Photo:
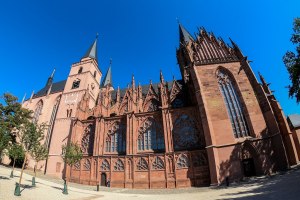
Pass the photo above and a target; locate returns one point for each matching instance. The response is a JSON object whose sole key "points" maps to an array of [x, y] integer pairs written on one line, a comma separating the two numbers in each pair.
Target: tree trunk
{"points": [[35, 167], [14, 165], [22, 169]]}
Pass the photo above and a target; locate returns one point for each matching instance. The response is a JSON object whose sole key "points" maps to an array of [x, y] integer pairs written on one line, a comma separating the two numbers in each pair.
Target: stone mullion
{"points": [[166, 174], [149, 171], [102, 136], [165, 130], [128, 136], [96, 139]]}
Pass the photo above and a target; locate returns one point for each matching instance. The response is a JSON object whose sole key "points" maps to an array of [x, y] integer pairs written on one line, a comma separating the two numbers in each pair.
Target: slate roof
{"points": [[92, 51], [294, 120], [56, 87], [184, 35]]}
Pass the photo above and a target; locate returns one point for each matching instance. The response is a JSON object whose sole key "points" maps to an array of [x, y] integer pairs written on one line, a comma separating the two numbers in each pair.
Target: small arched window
{"points": [[38, 111], [76, 84], [233, 104], [95, 73], [80, 70]]}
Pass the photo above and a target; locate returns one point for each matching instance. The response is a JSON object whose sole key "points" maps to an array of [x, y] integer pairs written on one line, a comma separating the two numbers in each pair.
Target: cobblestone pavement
{"points": [[282, 186]]}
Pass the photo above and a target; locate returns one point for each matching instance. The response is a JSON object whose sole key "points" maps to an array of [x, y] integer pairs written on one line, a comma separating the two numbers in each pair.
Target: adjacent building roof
{"points": [[294, 120], [56, 87]]}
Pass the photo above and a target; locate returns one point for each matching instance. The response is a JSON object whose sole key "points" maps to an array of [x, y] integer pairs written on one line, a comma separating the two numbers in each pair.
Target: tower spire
{"points": [[92, 51], [108, 78], [50, 79], [184, 35]]}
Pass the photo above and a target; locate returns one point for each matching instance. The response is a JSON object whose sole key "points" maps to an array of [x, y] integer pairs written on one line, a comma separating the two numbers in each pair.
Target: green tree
{"points": [[12, 116], [30, 136], [38, 153], [71, 154], [15, 151], [292, 62]]}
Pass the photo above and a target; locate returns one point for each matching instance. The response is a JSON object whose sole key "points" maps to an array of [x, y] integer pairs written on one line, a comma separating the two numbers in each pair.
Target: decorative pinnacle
{"points": [[97, 35], [52, 73]]}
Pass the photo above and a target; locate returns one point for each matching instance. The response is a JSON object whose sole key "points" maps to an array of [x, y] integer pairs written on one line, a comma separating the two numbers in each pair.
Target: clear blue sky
{"points": [[140, 36]]}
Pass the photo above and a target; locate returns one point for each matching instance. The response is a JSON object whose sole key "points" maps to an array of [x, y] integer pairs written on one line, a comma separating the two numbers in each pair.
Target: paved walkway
{"points": [[285, 186]]}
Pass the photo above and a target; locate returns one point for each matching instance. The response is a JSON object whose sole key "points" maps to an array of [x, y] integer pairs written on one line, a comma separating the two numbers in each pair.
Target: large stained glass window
{"points": [[185, 134], [116, 139], [233, 105], [151, 136]]}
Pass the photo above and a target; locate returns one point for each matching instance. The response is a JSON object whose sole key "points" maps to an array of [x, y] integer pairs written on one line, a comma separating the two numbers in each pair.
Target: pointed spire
{"points": [[184, 35], [23, 98], [133, 82], [31, 96], [162, 80], [108, 77], [92, 51], [50, 79]]}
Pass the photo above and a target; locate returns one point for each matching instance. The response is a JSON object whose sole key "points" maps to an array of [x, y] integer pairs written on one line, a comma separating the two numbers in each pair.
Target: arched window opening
{"points": [[158, 163], [119, 166], [185, 134], [38, 111], [182, 162], [52, 118], [105, 165], [76, 84], [233, 105], [80, 70], [151, 136], [95, 73], [142, 165], [116, 139], [87, 141]]}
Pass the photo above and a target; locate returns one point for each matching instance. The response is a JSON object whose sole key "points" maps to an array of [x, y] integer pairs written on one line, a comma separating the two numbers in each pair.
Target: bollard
{"points": [[17, 190], [97, 187], [11, 174], [65, 191], [33, 182]]}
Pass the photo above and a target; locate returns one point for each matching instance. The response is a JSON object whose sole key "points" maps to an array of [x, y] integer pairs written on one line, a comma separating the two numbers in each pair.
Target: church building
{"points": [[217, 123]]}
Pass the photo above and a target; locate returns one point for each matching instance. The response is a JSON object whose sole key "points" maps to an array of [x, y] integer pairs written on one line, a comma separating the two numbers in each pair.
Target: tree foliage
{"points": [[12, 116], [292, 62], [16, 151], [71, 153]]}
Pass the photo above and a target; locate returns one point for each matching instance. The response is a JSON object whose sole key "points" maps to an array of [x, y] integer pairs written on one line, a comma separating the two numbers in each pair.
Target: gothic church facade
{"points": [[216, 122]]}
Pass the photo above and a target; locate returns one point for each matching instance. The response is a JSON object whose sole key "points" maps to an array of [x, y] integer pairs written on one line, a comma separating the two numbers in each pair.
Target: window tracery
{"points": [[87, 141], [182, 162], [151, 136], [76, 84], [116, 139], [119, 166], [185, 133], [142, 164], [87, 165], [77, 166], [152, 105], [38, 111], [233, 104], [105, 165], [158, 163], [199, 160]]}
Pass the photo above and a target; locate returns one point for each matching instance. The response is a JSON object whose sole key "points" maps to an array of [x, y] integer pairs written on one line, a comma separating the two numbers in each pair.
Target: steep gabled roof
{"points": [[294, 120], [92, 51], [56, 87]]}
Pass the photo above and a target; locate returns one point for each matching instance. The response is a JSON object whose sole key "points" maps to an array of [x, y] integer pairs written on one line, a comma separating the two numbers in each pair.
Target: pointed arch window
{"points": [[151, 136], [87, 141], [76, 84], [38, 111], [116, 139], [52, 118], [233, 104], [80, 70]]}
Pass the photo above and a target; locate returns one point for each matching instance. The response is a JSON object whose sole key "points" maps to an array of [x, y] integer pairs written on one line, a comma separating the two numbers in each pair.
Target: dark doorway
{"points": [[249, 168], [103, 179]]}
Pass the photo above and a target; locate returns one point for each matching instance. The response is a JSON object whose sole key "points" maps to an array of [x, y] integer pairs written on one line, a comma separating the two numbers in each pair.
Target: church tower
{"points": [[83, 80], [236, 115]]}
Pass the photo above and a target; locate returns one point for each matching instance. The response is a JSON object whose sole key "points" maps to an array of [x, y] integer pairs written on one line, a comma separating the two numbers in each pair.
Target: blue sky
{"points": [[140, 36]]}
